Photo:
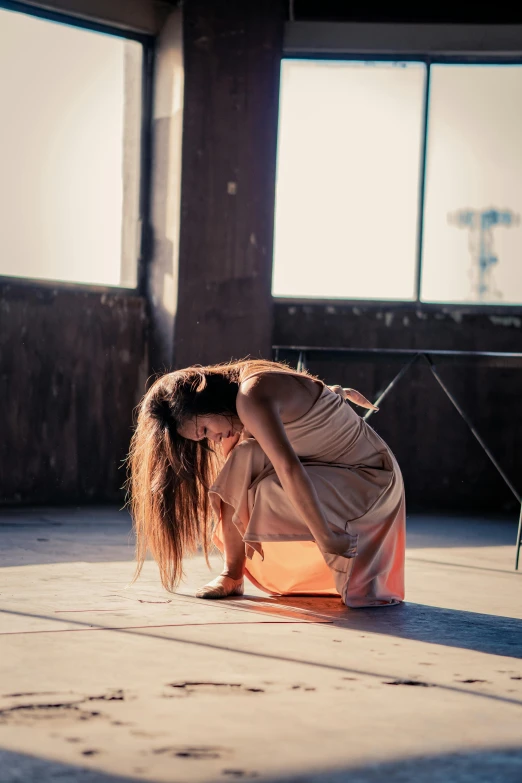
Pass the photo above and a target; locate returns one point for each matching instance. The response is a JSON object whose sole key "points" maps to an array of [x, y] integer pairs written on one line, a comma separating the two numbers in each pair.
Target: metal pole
{"points": [[519, 539], [390, 386], [471, 426], [422, 183]]}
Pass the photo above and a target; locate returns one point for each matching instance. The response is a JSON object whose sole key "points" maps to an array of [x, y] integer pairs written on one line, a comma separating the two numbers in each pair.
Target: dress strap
{"points": [[354, 396]]}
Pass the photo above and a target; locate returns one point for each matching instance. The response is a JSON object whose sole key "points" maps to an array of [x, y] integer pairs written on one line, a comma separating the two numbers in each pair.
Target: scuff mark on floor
{"points": [[209, 687], [408, 682], [198, 752]]}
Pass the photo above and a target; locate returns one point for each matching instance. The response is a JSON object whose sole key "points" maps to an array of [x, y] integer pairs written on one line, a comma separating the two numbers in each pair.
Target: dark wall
{"points": [[443, 465], [73, 365]]}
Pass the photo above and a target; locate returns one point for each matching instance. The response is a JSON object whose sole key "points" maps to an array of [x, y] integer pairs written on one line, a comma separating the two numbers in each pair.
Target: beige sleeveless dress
{"points": [[360, 487]]}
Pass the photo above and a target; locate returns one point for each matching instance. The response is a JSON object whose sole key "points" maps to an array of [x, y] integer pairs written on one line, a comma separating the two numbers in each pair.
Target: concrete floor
{"points": [[101, 681]]}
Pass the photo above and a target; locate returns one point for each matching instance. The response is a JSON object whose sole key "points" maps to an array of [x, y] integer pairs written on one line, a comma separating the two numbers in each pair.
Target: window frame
{"points": [[145, 164], [438, 44]]}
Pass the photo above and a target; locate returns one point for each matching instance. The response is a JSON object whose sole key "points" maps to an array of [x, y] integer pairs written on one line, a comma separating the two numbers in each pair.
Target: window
{"points": [[69, 152], [472, 242], [399, 181]]}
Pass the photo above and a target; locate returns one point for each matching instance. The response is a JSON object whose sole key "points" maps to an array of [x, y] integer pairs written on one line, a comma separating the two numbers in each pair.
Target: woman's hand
{"points": [[337, 543]]}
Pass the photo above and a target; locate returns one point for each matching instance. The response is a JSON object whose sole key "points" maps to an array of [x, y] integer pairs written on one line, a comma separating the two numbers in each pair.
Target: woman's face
{"points": [[214, 427]]}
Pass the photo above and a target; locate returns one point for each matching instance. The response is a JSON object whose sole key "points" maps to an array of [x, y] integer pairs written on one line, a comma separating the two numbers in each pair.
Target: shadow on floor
{"points": [[99, 535], [484, 766], [45, 536], [20, 767], [447, 531], [487, 633], [37, 536]]}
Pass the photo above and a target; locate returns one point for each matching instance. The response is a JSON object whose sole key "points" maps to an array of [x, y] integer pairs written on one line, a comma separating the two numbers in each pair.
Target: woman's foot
{"points": [[222, 586]]}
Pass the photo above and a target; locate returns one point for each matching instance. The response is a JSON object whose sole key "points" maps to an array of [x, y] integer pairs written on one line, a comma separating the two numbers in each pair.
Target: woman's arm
{"points": [[259, 410]]}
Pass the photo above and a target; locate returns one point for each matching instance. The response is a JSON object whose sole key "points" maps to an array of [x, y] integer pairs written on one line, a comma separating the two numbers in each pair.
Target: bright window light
{"points": [[348, 179], [472, 244], [69, 152]]}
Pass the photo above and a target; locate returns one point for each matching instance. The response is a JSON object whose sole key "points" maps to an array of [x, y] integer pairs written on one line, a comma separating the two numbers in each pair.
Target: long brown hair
{"points": [[169, 476]]}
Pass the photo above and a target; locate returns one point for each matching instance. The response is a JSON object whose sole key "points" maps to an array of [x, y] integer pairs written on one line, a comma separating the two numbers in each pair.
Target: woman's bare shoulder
{"points": [[270, 382], [290, 392]]}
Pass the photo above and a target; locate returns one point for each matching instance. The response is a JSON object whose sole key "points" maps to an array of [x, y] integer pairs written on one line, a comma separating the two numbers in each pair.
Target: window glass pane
{"points": [[69, 152], [349, 151], [472, 244]]}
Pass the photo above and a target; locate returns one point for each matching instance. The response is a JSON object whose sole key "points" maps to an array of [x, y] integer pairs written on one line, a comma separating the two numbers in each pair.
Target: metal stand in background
{"points": [[390, 386], [519, 539], [414, 355]]}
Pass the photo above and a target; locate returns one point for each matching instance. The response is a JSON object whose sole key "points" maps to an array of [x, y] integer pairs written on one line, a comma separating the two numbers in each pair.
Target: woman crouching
{"points": [[275, 467]]}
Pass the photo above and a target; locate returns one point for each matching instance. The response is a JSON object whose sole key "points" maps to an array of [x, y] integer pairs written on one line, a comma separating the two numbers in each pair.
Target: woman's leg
{"points": [[230, 581]]}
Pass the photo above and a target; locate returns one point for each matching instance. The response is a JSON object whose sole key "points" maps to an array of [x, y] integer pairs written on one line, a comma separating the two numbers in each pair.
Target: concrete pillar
{"points": [[232, 60], [212, 300]]}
